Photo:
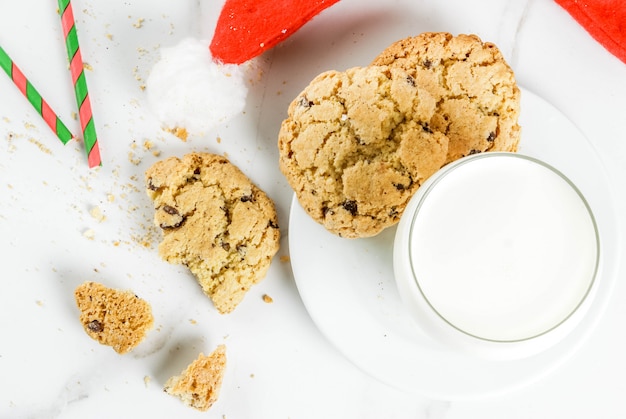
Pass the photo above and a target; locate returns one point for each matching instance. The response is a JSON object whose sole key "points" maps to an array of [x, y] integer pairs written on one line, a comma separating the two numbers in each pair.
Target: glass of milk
{"points": [[497, 255]]}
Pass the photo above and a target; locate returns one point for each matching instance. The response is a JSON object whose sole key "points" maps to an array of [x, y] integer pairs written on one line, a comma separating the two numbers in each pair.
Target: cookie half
{"points": [[357, 144], [216, 222], [477, 97]]}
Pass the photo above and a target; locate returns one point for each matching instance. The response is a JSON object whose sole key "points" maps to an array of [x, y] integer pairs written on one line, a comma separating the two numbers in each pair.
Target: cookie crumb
{"points": [[148, 145], [146, 380], [138, 77], [89, 234], [96, 214], [267, 299], [142, 51], [40, 146], [139, 23], [179, 132], [285, 259], [133, 159]]}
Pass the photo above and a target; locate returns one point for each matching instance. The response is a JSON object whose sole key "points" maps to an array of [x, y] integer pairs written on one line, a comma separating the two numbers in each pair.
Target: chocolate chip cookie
{"points": [[216, 222], [357, 144], [477, 97]]}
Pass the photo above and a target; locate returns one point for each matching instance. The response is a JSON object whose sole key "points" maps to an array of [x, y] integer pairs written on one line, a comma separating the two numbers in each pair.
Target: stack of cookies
{"points": [[357, 144]]}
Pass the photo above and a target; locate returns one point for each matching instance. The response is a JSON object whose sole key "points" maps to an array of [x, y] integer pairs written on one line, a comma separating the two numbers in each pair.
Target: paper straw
{"points": [[35, 99], [80, 83]]}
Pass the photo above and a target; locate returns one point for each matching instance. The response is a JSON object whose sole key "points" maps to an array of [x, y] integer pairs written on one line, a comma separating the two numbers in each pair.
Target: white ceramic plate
{"points": [[349, 290]]}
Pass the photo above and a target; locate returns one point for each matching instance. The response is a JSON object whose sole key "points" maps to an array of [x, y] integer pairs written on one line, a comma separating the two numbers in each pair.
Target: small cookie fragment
{"points": [[216, 222], [199, 385], [179, 132], [115, 318], [356, 145], [478, 100]]}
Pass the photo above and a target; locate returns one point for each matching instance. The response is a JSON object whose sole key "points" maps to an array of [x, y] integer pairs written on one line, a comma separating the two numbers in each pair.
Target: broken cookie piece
{"points": [[114, 318], [216, 222], [199, 385]]}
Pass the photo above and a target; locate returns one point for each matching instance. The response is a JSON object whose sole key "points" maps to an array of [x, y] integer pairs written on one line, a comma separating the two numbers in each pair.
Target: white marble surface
{"points": [[280, 366]]}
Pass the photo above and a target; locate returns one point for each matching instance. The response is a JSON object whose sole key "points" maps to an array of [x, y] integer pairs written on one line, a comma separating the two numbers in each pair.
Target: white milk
{"points": [[503, 249]]}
